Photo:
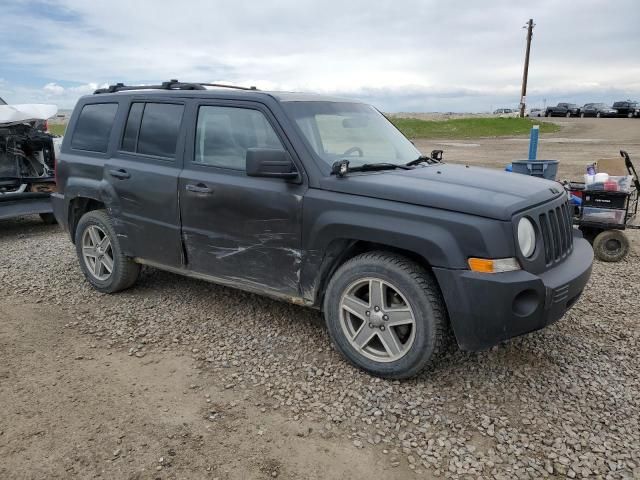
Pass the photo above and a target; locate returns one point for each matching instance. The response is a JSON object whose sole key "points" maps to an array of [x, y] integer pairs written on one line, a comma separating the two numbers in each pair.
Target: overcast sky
{"points": [[423, 55]]}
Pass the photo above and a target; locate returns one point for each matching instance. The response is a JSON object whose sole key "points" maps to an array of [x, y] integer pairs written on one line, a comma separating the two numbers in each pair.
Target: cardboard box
{"points": [[612, 166]]}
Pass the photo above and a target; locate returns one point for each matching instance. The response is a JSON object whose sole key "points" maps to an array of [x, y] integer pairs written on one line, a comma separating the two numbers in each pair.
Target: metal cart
{"points": [[604, 215]]}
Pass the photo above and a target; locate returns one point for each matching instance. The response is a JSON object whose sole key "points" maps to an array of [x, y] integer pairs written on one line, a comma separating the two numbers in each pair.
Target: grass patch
{"points": [[470, 127], [57, 128]]}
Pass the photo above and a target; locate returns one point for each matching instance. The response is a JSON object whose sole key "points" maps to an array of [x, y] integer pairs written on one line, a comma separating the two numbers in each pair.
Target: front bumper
{"points": [[486, 309], [17, 205]]}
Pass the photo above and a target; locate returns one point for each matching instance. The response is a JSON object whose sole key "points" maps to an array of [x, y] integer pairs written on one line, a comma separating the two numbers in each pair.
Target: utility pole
{"points": [[523, 96]]}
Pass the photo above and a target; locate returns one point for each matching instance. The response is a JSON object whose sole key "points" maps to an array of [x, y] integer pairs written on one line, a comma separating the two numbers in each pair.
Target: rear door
{"points": [[144, 175], [242, 229]]}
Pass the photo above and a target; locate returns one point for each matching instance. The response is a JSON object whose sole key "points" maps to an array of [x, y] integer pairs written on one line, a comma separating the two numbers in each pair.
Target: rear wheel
{"points": [[385, 314], [104, 265], [611, 245]]}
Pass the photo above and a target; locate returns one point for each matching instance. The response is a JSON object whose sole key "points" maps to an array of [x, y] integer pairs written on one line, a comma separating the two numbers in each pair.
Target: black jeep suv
{"points": [[321, 202]]}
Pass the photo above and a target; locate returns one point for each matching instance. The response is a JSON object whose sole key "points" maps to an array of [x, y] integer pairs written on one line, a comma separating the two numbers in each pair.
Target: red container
{"points": [[611, 186]]}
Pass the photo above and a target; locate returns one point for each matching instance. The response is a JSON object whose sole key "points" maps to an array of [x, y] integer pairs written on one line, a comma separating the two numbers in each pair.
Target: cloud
{"points": [[456, 54], [53, 89]]}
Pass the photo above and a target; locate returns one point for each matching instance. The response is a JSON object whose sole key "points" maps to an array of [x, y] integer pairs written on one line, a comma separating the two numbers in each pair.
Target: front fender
{"points": [[442, 238]]}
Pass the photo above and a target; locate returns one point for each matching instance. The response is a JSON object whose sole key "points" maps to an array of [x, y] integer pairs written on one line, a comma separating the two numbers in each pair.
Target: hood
{"points": [[473, 190], [14, 114]]}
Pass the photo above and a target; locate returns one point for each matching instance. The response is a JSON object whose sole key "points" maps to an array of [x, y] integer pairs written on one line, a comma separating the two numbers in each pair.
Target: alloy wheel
{"points": [[97, 252], [377, 320]]}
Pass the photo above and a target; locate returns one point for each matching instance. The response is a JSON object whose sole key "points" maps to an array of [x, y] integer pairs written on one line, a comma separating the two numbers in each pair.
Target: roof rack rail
{"points": [[170, 85]]}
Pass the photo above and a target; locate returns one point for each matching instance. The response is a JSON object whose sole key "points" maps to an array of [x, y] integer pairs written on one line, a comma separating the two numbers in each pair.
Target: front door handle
{"points": [[199, 188], [120, 173]]}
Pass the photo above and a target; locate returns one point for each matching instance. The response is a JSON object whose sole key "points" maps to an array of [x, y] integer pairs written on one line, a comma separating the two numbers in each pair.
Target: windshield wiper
{"points": [[435, 157], [369, 167], [341, 167]]}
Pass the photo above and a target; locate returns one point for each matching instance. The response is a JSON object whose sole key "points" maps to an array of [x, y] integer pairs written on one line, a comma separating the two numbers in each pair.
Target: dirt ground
{"points": [[70, 407], [77, 403], [580, 141]]}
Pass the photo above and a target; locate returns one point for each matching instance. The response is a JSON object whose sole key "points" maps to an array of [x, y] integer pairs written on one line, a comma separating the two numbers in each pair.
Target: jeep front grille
{"points": [[556, 227]]}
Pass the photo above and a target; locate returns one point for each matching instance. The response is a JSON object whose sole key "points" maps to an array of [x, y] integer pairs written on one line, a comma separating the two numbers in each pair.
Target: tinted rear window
{"points": [[94, 127], [159, 129]]}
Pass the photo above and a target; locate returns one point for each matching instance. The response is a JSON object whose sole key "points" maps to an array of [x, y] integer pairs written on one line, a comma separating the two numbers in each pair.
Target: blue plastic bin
{"points": [[536, 168]]}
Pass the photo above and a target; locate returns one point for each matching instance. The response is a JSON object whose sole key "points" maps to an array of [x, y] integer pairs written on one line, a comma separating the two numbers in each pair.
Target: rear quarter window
{"points": [[93, 127]]}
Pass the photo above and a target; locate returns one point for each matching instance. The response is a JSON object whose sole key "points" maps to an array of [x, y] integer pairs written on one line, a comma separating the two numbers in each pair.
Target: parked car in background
{"points": [[320, 202], [563, 110], [627, 108], [506, 112], [597, 110], [27, 161], [535, 112]]}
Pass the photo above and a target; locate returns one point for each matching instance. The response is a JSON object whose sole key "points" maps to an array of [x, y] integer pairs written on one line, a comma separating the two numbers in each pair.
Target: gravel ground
{"points": [[563, 401]]}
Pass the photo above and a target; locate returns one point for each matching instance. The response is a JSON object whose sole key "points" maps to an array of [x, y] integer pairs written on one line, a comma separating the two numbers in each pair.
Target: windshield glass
{"points": [[351, 131]]}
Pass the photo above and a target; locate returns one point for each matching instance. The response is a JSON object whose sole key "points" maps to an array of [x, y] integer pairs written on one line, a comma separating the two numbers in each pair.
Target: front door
{"points": [[245, 230], [144, 175]]}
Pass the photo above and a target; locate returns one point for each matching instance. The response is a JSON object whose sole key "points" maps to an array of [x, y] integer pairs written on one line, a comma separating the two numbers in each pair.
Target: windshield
{"points": [[351, 131]]}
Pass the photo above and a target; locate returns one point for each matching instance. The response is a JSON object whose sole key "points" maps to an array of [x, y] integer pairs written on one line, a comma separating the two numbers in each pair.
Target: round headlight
{"points": [[526, 237]]}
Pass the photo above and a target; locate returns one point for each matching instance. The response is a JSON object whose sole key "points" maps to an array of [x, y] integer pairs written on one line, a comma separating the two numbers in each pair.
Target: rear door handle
{"points": [[199, 188], [120, 173]]}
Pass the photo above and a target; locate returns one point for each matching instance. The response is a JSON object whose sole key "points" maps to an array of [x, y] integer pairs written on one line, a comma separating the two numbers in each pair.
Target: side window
{"points": [[94, 127], [152, 129], [224, 134]]}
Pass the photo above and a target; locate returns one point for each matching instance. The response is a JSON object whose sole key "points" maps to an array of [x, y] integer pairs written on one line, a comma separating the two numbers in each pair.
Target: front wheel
{"points": [[104, 265], [568, 114], [386, 315]]}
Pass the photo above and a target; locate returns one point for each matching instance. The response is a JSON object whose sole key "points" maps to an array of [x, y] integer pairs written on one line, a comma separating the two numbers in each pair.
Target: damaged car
{"points": [[318, 201], [27, 161]]}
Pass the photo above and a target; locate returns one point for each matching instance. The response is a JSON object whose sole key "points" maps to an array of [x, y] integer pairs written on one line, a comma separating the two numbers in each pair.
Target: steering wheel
{"points": [[353, 150]]}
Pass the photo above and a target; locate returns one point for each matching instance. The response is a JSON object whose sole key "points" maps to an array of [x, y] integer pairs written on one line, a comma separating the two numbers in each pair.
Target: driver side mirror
{"points": [[270, 162]]}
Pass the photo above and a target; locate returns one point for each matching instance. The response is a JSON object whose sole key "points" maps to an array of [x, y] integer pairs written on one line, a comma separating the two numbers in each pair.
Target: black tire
{"points": [[611, 246], [125, 271], [546, 114], [422, 295], [48, 218]]}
